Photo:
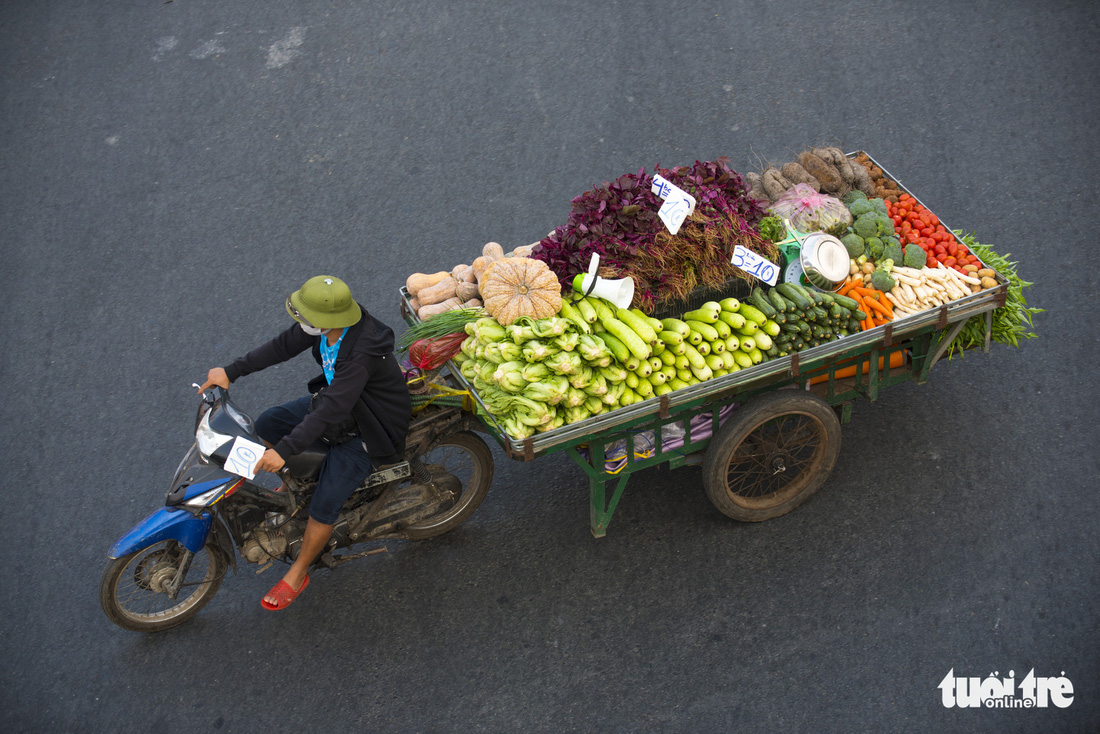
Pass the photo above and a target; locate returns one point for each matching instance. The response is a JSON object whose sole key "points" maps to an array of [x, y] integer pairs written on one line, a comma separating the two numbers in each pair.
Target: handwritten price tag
{"points": [[673, 213], [678, 203], [755, 265], [243, 457]]}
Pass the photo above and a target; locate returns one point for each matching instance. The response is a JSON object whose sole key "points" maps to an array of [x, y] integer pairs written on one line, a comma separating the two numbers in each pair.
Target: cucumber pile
{"points": [[806, 317], [538, 375], [659, 356], [725, 336]]}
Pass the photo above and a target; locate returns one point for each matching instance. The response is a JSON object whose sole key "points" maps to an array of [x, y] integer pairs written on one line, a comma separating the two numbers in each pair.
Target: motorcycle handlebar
{"points": [[212, 394]]}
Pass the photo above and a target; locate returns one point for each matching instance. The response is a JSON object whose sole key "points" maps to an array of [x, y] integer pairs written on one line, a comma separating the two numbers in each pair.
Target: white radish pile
{"points": [[928, 288]]}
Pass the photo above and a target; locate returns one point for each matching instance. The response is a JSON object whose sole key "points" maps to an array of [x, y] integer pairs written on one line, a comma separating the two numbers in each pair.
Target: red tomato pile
{"points": [[915, 224]]}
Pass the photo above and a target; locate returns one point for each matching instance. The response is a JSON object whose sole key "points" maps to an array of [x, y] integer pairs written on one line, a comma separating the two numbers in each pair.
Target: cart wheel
{"points": [[771, 455]]}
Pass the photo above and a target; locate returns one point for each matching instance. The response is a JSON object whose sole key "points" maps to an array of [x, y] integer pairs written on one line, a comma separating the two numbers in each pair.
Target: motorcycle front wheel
{"points": [[468, 459], [133, 589]]}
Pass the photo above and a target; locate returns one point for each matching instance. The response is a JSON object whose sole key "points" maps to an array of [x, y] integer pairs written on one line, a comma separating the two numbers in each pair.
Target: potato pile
{"points": [[827, 170], [885, 188]]}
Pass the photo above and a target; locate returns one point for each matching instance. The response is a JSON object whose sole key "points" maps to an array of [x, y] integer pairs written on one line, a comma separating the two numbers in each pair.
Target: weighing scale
{"points": [[790, 250]]}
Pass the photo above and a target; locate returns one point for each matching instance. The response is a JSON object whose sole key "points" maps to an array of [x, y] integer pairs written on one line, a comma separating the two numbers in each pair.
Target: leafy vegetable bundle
{"points": [[1012, 321], [618, 221]]}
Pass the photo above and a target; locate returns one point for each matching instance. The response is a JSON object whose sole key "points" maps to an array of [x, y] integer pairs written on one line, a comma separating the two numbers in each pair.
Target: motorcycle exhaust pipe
{"points": [[357, 524]]}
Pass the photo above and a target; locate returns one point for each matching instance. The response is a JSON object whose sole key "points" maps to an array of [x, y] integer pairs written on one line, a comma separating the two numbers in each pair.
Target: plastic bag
{"points": [[809, 211], [429, 354]]}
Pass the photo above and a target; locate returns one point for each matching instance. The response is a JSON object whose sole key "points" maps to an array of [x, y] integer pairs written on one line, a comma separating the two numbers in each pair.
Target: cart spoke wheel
{"points": [[772, 455]]}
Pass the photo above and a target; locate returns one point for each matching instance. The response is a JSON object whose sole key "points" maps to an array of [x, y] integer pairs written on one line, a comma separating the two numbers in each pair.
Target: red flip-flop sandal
{"points": [[283, 594]]}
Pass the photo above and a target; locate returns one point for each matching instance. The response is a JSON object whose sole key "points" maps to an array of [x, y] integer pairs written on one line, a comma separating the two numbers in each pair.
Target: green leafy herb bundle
{"points": [[448, 322], [1012, 321]]}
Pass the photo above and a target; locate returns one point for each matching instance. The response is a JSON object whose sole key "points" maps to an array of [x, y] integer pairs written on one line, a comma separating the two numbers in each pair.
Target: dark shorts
{"points": [[344, 468]]}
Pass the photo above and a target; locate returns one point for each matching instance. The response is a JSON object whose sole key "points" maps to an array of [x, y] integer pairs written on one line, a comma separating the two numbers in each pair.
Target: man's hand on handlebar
{"points": [[217, 377]]}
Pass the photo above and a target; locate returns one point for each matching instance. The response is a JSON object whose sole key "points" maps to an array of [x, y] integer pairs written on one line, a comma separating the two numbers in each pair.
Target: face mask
{"points": [[311, 330]]}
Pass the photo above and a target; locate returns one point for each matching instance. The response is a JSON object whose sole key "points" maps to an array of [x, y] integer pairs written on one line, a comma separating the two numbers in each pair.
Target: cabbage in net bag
{"points": [[809, 211]]}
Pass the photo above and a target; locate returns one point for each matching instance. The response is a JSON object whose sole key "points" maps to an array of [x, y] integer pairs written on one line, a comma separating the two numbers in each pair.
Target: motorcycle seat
{"points": [[306, 465]]}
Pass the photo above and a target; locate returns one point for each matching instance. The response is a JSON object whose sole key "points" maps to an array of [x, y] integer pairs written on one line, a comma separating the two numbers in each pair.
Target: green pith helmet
{"points": [[324, 302]]}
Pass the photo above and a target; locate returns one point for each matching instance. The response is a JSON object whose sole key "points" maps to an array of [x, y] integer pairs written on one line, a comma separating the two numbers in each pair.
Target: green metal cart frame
{"points": [[922, 339]]}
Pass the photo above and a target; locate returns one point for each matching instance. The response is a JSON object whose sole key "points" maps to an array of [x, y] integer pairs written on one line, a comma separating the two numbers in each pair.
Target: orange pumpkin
{"points": [[520, 286]]}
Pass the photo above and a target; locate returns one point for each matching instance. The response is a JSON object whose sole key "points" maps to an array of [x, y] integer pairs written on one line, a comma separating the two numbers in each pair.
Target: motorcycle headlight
{"points": [[207, 439], [208, 496]]}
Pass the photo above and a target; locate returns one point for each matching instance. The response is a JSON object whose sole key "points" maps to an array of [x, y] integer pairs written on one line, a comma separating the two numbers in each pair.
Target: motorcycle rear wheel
{"points": [[132, 594], [466, 456]]}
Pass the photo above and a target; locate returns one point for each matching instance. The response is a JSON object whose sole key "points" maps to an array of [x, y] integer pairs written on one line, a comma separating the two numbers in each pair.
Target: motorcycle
{"points": [[168, 566]]}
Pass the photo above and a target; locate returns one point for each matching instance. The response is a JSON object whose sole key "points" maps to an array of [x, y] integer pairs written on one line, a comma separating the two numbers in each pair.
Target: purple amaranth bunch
{"points": [[614, 220], [618, 220]]}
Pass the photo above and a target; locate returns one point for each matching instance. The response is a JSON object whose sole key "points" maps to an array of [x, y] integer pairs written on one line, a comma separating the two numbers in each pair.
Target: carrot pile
{"points": [[916, 224], [872, 302]]}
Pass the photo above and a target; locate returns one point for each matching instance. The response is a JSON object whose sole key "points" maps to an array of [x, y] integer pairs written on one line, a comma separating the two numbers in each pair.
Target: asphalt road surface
{"points": [[170, 171]]}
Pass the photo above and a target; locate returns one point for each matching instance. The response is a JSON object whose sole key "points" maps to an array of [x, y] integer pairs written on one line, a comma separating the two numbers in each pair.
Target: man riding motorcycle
{"points": [[359, 408]]}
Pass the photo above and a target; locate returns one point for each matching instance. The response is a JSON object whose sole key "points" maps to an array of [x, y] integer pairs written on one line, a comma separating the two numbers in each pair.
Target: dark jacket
{"points": [[367, 383]]}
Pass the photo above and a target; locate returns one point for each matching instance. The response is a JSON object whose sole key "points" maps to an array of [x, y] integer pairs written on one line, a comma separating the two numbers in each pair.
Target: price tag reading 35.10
{"points": [[755, 265]]}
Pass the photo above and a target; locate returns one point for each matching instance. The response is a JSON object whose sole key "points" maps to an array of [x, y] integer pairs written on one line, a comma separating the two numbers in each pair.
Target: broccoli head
{"points": [[891, 239], [874, 248], [866, 225], [893, 252], [879, 205], [885, 225], [882, 280], [860, 207], [915, 257], [852, 196], [854, 243]]}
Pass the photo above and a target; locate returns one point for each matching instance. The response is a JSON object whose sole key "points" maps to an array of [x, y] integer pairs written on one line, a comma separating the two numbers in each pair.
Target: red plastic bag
{"points": [[428, 354]]}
